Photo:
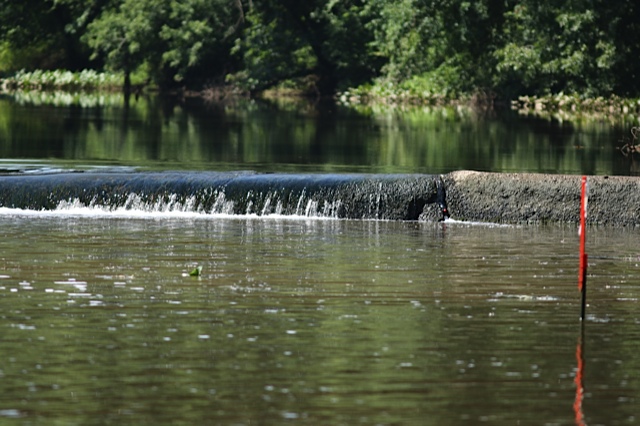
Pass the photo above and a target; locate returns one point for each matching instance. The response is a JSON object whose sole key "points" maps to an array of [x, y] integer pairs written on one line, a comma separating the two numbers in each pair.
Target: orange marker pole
{"points": [[582, 274]]}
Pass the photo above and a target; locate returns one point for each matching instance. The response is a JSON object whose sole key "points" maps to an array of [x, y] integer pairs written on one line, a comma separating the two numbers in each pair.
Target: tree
{"points": [[619, 21], [197, 36], [171, 38], [288, 38], [556, 46], [449, 47], [33, 34], [126, 35], [446, 42]]}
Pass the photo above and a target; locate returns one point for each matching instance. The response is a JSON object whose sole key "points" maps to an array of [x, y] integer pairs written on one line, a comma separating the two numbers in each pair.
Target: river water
{"points": [[311, 321], [161, 134], [302, 320]]}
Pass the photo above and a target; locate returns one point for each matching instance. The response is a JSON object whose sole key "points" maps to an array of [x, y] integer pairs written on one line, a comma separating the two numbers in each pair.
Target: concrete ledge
{"points": [[541, 198], [465, 195]]}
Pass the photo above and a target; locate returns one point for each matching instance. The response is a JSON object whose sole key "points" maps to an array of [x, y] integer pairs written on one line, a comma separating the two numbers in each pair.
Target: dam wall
{"points": [[541, 198], [506, 198]]}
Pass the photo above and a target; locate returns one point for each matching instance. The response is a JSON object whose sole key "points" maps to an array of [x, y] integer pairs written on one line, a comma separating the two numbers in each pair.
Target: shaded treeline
{"points": [[447, 47]]}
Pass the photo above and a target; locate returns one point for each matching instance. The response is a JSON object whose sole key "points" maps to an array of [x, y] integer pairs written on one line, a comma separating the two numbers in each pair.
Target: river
{"points": [[167, 134], [299, 319]]}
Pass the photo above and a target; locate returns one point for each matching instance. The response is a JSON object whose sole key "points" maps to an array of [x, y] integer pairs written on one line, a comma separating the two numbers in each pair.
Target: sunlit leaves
{"points": [[322, 41], [270, 53], [124, 35], [511, 47], [195, 30], [171, 37], [554, 47]]}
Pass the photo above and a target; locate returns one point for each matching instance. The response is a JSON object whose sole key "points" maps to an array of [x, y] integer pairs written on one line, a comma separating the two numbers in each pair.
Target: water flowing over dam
{"points": [[465, 195], [353, 196]]}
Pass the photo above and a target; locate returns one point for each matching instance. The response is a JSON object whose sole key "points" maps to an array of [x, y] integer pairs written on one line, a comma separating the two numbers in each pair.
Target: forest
{"points": [[447, 48]]}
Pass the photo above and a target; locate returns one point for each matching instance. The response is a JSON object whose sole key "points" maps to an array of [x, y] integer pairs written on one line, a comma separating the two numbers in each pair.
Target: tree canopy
{"points": [[452, 47]]}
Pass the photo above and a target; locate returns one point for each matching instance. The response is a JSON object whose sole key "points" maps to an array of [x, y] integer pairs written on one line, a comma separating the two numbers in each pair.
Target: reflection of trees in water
{"points": [[295, 135], [631, 150], [65, 99]]}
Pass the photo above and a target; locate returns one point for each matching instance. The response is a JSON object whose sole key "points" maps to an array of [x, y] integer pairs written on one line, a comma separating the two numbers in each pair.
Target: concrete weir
{"points": [[541, 198], [466, 195], [348, 196]]}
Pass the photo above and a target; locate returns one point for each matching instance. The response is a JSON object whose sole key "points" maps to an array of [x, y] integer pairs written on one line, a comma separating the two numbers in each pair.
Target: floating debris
{"points": [[196, 271]]}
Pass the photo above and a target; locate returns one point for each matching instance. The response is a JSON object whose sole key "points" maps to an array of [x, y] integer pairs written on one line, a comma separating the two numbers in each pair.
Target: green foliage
{"points": [[125, 36], [408, 47], [27, 21], [62, 80], [197, 35], [444, 43], [444, 80], [512, 47], [270, 54], [172, 38], [438, 86], [12, 59], [38, 34], [289, 39], [555, 47], [400, 31]]}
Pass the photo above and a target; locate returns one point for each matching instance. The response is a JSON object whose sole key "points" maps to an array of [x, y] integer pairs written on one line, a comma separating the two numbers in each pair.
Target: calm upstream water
{"points": [[160, 134], [307, 320]]}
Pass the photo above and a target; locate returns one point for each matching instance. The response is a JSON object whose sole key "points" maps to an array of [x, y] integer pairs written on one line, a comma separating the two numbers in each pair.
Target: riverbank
{"points": [[541, 198], [562, 106], [63, 80]]}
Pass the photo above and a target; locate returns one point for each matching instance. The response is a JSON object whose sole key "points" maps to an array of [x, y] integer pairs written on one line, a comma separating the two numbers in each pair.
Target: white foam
{"points": [[123, 213], [450, 221]]}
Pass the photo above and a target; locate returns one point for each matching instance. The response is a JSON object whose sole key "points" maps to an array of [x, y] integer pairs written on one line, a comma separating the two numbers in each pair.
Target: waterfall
{"points": [[353, 196]]}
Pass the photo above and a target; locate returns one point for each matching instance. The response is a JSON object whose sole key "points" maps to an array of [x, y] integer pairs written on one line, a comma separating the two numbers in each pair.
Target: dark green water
{"points": [[165, 134], [310, 322]]}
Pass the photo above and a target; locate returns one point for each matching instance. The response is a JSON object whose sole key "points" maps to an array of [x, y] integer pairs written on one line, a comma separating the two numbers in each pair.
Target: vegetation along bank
{"points": [[410, 50]]}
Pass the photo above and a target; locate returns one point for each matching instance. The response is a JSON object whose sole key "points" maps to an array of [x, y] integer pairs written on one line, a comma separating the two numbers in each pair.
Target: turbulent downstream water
{"points": [[311, 321]]}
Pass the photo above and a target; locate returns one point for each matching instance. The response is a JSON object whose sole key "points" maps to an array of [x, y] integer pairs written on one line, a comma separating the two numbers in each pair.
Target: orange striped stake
{"points": [[582, 274]]}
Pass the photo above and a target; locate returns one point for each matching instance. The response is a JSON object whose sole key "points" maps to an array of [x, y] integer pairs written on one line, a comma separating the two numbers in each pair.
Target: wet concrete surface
{"points": [[541, 198]]}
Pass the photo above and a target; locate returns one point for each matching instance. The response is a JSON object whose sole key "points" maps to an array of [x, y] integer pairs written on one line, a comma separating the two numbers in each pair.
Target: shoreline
{"points": [[562, 105]]}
